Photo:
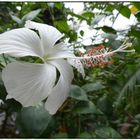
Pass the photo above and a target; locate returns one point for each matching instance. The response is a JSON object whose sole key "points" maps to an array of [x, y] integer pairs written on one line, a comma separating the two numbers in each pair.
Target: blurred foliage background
{"points": [[106, 104]]}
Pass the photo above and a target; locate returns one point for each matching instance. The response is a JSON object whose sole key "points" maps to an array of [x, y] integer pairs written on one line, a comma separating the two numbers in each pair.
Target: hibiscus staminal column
{"points": [[100, 60], [101, 56]]}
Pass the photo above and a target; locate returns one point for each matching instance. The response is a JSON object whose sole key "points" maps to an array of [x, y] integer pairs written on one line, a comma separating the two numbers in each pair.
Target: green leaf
{"points": [[85, 135], [92, 86], [137, 116], [134, 32], [80, 17], [137, 4], [106, 132], [88, 14], [125, 11], [81, 32], [129, 86], [136, 45], [13, 105], [83, 107], [32, 121], [62, 26], [60, 135], [73, 36], [78, 93], [58, 5], [31, 15], [110, 7], [108, 29], [138, 16], [105, 105]]}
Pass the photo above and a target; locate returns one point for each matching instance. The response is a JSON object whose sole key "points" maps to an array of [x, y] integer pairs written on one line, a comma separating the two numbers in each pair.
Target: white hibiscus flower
{"points": [[31, 83]]}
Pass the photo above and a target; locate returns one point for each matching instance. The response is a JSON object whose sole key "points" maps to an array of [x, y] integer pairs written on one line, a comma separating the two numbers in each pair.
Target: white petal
{"points": [[60, 92], [78, 65], [49, 35], [60, 51], [29, 83], [20, 42]]}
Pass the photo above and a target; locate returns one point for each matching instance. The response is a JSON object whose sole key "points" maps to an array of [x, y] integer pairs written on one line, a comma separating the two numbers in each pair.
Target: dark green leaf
{"points": [[32, 121], [92, 87], [108, 29], [73, 36], [78, 93], [129, 86], [60, 135], [77, 15], [125, 11], [85, 135], [88, 14], [137, 4], [81, 32], [105, 105], [138, 16], [58, 5], [136, 45], [13, 105], [135, 32], [83, 107], [107, 132], [137, 116], [110, 7]]}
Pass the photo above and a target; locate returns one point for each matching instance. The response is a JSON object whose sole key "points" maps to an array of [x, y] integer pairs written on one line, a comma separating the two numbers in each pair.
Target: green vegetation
{"points": [[106, 103]]}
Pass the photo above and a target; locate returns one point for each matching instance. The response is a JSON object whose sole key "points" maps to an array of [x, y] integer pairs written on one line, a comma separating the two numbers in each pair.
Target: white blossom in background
{"points": [[31, 83]]}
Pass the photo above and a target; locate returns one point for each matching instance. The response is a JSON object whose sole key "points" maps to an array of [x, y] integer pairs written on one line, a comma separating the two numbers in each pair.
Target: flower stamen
{"points": [[100, 59]]}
